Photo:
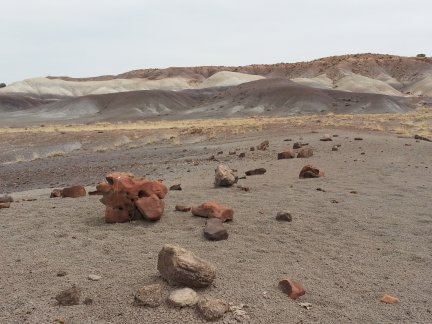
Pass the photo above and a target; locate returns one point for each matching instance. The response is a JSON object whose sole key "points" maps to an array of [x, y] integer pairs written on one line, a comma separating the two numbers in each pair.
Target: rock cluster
{"points": [[126, 197]]}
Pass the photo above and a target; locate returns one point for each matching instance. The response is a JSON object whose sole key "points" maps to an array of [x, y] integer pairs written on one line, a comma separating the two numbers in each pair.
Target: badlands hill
{"points": [[362, 83]]}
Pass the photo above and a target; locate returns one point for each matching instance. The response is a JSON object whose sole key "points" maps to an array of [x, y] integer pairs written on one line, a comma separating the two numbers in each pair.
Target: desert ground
{"points": [[362, 231]]}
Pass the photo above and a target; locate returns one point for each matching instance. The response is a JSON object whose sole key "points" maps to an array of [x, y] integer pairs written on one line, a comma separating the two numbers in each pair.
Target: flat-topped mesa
{"points": [[126, 197]]}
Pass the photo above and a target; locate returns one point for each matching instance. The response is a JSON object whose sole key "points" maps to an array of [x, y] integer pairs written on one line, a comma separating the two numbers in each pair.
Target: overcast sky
{"points": [[87, 37]]}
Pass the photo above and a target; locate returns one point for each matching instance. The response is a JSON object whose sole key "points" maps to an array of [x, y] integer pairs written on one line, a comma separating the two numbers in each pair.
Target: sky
{"points": [[84, 38]]}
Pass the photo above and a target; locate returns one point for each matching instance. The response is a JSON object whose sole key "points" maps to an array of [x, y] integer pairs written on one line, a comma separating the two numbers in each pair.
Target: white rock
{"points": [[94, 277], [183, 297]]}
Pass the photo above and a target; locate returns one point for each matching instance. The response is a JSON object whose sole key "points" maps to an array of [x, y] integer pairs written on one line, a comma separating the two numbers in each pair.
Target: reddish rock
{"points": [[310, 171], [213, 210], [390, 299], [116, 215], [305, 152], [127, 196], [103, 187], [182, 208], [286, 155], [74, 192], [5, 205], [151, 208], [256, 171], [292, 288], [154, 187]]}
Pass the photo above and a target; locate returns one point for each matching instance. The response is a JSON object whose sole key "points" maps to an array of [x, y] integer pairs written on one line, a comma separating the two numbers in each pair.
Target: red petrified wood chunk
{"points": [[213, 210], [127, 196], [151, 208], [74, 192], [292, 288], [310, 171]]}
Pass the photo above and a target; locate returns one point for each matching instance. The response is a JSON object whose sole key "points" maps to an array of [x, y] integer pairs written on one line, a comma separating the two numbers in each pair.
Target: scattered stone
{"points": [[56, 193], [242, 155], [353, 192], [214, 230], [256, 171], [4, 205], [263, 146], [94, 277], [243, 177], [305, 305], [212, 158], [232, 152], [287, 140], [74, 192], [422, 138], [252, 149], [388, 299], [284, 216], [292, 288], [358, 139], [334, 201], [182, 208], [150, 295], [176, 187], [297, 145], [286, 155], [61, 273], [305, 153], [183, 297], [181, 267], [224, 176], [6, 199], [69, 297], [326, 138], [309, 171], [238, 312], [335, 135], [213, 210], [88, 301], [220, 152], [335, 148], [211, 308], [320, 189], [126, 196], [243, 188]]}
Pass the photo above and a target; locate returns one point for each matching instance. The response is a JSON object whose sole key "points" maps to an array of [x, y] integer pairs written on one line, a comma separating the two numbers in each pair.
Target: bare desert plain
{"points": [[362, 231]]}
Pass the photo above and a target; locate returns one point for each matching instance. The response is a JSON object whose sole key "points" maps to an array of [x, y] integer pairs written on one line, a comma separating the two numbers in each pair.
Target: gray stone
{"points": [[211, 308], [181, 267], [224, 176], [150, 295], [284, 216], [214, 230], [69, 297]]}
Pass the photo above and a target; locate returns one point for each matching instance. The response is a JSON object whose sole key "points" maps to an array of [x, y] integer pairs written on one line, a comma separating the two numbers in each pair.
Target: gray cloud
{"points": [[86, 38]]}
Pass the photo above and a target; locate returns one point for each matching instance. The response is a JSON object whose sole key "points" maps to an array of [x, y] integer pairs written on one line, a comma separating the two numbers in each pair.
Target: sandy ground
{"points": [[347, 249]]}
